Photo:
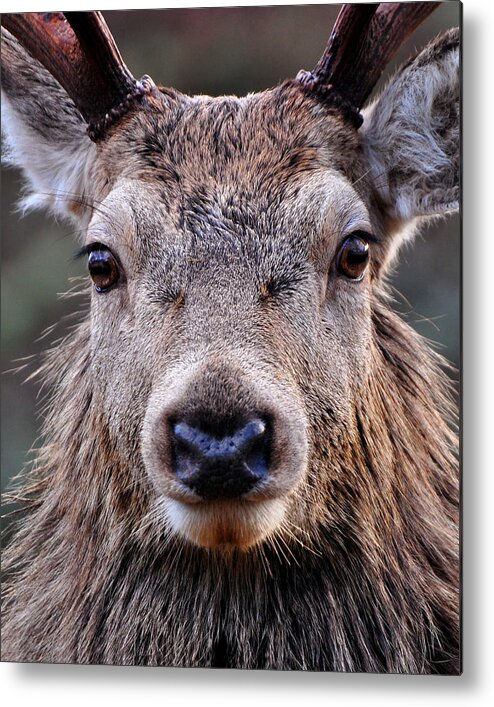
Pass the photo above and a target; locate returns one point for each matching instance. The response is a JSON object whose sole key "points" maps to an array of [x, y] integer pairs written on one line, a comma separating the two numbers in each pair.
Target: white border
{"points": [[128, 687]]}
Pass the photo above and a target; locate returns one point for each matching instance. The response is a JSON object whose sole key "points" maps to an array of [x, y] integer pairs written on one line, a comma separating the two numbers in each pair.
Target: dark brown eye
{"points": [[103, 269], [353, 257]]}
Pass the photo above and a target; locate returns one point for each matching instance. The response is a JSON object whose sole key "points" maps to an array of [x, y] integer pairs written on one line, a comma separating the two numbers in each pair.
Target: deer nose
{"points": [[219, 466]]}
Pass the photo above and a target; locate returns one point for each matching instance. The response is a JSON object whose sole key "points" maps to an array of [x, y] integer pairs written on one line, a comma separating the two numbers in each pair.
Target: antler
{"points": [[364, 39], [79, 51]]}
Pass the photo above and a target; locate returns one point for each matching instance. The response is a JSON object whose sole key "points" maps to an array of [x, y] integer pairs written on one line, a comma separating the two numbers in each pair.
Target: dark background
{"points": [[215, 51]]}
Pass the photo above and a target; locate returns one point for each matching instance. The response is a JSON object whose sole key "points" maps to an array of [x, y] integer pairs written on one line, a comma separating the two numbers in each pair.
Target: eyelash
{"points": [[89, 248], [360, 233]]}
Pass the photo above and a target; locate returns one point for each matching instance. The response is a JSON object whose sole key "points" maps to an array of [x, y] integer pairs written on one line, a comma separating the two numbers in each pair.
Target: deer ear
{"points": [[411, 134], [44, 134]]}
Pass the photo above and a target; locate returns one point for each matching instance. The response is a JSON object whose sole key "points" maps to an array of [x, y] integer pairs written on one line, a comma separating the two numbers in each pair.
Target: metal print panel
{"points": [[248, 455]]}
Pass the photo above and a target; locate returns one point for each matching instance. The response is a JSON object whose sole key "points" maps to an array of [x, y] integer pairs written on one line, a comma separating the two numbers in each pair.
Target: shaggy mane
{"points": [[369, 583]]}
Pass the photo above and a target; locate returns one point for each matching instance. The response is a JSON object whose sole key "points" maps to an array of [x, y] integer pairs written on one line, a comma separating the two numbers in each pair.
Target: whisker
{"points": [[81, 199]]}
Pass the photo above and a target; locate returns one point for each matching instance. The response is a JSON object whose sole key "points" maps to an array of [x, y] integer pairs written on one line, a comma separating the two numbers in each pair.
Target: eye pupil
{"points": [[353, 257], [103, 269]]}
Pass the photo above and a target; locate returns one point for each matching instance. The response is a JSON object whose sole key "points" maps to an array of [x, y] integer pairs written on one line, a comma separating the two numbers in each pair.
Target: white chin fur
{"points": [[225, 523]]}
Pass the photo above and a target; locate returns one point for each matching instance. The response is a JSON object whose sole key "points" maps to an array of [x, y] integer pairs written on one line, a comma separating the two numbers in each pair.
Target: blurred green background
{"points": [[214, 51]]}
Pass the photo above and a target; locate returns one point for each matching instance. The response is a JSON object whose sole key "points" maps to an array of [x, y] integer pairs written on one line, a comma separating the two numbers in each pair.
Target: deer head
{"points": [[237, 249]]}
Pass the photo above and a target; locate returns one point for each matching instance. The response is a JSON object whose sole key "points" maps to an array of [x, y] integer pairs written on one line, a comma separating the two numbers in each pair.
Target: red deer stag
{"points": [[247, 456]]}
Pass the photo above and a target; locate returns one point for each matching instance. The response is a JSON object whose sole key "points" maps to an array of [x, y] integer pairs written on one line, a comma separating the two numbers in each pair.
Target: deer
{"points": [[249, 459]]}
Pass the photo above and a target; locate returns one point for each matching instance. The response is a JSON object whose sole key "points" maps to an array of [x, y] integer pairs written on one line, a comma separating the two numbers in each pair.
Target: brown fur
{"points": [[227, 216]]}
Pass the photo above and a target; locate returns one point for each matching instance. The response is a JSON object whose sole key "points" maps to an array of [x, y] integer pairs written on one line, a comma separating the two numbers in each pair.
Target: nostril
{"points": [[191, 438], [221, 466], [251, 433], [207, 445]]}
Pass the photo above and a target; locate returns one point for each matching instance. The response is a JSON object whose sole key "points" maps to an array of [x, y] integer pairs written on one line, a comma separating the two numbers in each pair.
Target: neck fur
{"points": [[369, 584]]}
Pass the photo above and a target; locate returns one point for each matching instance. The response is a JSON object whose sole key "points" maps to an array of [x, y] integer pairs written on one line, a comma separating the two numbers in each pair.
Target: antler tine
{"points": [[350, 25], [79, 51], [364, 39]]}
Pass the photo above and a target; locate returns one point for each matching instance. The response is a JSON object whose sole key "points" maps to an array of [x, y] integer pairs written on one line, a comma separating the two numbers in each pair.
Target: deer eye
{"points": [[103, 268], [353, 256]]}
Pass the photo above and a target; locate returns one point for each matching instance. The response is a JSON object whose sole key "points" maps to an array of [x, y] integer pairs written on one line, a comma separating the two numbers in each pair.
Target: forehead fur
{"points": [[262, 147]]}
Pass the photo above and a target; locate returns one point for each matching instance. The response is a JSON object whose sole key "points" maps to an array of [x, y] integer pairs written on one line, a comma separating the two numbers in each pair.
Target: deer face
{"points": [[239, 319], [236, 247]]}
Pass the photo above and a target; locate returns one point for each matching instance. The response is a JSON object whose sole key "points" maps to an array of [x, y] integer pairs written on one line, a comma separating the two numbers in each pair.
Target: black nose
{"points": [[215, 465]]}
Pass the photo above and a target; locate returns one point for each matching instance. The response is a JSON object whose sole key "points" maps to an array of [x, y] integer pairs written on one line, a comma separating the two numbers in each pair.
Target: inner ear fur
{"points": [[411, 134], [44, 134]]}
